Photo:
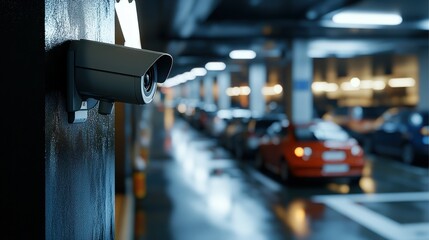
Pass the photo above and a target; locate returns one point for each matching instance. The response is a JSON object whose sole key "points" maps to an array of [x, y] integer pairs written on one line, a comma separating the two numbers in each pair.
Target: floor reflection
{"points": [[203, 192]]}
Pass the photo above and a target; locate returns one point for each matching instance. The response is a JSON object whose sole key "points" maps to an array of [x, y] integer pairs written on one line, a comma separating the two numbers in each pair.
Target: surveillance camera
{"points": [[106, 73]]}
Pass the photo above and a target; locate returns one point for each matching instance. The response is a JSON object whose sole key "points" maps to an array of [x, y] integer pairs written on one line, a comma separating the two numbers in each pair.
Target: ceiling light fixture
{"points": [[401, 82], [127, 15], [215, 66], [199, 72], [367, 18], [242, 54]]}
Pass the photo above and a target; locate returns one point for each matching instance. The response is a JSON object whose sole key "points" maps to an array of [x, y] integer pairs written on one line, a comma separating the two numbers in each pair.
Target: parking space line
{"points": [[269, 183], [378, 223], [419, 230], [379, 197]]}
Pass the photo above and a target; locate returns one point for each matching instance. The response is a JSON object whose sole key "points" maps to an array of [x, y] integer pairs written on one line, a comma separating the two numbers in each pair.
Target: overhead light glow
{"points": [[233, 91], [378, 85], [237, 91], [189, 76], [127, 15], [199, 72], [424, 24], [366, 84], [242, 54], [367, 18], [178, 79], [401, 82], [271, 91], [215, 66], [245, 90], [355, 82], [347, 86], [324, 87]]}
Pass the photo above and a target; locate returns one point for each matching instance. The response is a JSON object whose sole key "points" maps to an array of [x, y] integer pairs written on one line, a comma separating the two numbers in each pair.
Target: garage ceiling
{"points": [[197, 31]]}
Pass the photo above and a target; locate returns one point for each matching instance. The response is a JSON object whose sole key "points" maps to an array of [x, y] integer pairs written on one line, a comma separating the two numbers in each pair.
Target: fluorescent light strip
{"points": [[215, 66], [401, 82], [324, 87], [242, 54], [271, 91], [127, 15], [347, 86], [238, 91], [199, 72], [367, 18]]}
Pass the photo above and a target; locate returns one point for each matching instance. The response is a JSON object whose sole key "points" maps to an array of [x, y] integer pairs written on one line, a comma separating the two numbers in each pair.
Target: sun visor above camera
{"points": [[110, 58]]}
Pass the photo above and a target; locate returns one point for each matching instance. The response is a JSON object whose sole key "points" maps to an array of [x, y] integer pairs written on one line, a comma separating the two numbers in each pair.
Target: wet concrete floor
{"points": [[196, 190]]}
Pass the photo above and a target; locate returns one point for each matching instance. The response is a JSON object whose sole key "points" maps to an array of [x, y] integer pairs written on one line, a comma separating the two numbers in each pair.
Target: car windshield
{"points": [[322, 131]]}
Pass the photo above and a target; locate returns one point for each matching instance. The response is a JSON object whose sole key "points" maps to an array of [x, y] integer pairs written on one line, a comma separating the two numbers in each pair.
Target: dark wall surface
{"points": [[79, 158], [22, 119]]}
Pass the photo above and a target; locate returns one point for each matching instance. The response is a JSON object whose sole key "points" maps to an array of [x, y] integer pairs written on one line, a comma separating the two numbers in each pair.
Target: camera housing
{"points": [[102, 73]]}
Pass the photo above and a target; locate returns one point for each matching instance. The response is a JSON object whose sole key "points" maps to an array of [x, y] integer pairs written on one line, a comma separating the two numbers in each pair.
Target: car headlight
{"points": [[356, 150], [303, 152]]}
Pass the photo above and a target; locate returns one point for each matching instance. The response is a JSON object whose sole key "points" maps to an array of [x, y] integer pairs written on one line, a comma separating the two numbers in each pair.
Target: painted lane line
{"points": [[273, 186], [418, 230], [379, 197], [386, 227], [379, 224]]}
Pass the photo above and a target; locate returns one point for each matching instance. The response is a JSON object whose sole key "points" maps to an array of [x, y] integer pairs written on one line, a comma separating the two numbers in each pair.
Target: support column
{"points": [[223, 82], [208, 90], [194, 87], [423, 102], [257, 80], [302, 77]]}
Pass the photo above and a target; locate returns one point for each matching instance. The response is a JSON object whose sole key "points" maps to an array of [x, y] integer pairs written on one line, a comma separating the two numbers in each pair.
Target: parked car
{"points": [[218, 122], [316, 149], [201, 115], [403, 134], [234, 126], [358, 121], [246, 140]]}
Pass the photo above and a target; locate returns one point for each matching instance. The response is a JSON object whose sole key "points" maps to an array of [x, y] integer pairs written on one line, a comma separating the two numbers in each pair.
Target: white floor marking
{"points": [[386, 227], [265, 180], [379, 197]]}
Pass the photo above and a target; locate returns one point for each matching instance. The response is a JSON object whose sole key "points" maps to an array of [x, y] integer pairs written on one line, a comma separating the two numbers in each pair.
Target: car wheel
{"points": [[354, 181], [258, 162], [408, 154]]}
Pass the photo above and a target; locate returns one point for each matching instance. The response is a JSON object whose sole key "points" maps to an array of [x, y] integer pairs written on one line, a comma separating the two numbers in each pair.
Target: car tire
{"points": [[408, 154], [354, 181], [285, 173]]}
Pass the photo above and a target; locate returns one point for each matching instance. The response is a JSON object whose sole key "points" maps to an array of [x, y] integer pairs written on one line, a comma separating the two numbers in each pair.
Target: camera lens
{"points": [[148, 79]]}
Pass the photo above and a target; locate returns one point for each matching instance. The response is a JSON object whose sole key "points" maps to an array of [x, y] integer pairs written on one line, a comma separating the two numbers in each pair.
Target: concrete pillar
{"points": [[257, 80], [186, 90], [208, 90], [302, 77], [223, 82], [194, 87], [423, 84]]}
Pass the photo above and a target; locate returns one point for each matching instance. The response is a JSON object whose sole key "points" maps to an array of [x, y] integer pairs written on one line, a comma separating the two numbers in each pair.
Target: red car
{"points": [[316, 149]]}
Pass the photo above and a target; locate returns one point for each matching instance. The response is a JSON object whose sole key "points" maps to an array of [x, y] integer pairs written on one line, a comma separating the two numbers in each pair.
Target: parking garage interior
{"points": [[277, 120], [302, 67]]}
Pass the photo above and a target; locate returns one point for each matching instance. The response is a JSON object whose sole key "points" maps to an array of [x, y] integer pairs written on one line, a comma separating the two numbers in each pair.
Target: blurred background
{"points": [[280, 119]]}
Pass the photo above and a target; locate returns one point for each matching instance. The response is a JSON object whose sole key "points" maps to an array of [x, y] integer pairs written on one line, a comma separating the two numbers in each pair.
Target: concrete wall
{"points": [[79, 158], [59, 177]]}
